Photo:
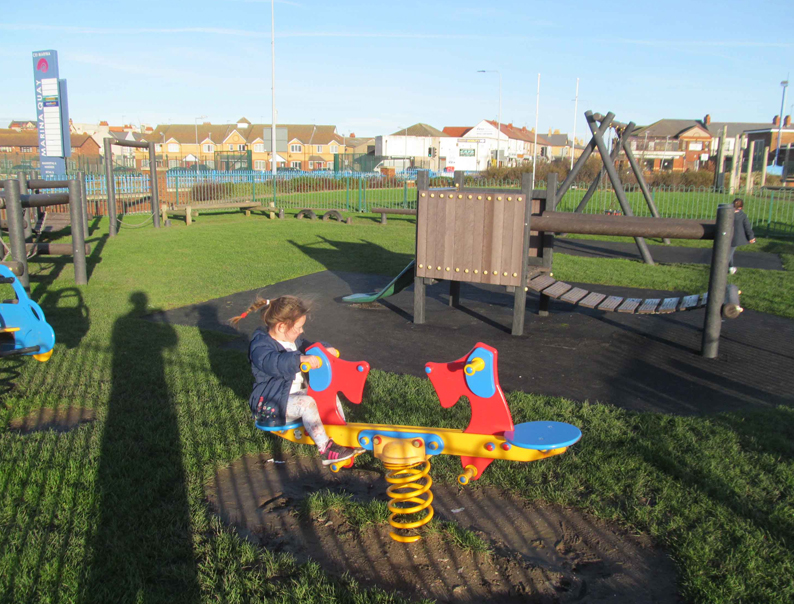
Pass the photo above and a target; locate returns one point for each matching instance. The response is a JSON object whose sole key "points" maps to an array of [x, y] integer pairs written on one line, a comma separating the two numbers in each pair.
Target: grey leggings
{"points": [[301, 406]]}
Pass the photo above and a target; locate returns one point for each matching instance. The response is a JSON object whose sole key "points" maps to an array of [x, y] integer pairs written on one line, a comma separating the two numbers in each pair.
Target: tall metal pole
{"points": [[784, 84], [499, 118], [273, 153], [575, 111], [718, 279], [535, 150]]}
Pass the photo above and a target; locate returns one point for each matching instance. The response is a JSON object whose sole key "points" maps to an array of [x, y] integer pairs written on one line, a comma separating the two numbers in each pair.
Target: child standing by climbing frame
{"points": [[276, 353]]}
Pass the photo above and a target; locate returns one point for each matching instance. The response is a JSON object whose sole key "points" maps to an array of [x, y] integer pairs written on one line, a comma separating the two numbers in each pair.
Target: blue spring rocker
{"points": [[24, 321]]}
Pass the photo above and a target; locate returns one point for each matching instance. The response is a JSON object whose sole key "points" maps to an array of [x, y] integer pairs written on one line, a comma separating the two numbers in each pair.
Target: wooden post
{"points": [[737, 161], [520, 293], [719, 174], [188, 216], [422, 184], [454, 294], [763, 165], [748, 185]]}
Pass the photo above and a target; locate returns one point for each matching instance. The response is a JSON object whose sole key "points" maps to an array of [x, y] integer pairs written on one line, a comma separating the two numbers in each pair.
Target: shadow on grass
{"points": [[142, 548], [747, 475], [361, 256]]}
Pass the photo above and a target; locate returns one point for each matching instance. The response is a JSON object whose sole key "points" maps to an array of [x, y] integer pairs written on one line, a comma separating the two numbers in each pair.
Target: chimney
{"points": [[707, 119], [549, 131], [510, 125], [787, 121], [352, 135], [776, 120]]}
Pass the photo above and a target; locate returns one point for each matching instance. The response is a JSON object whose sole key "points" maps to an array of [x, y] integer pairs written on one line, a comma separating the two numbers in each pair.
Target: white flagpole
{"points": [[535, 150]]}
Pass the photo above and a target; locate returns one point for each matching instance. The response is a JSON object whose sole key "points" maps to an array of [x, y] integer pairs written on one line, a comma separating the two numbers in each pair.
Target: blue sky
{"points": [[373, 67]]}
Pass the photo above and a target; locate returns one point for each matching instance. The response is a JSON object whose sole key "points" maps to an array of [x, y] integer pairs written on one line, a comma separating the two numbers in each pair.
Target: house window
{"points": [[74, 149], [295, 164], [696, 146], [209, 148], [5, 149], [259, 148], [210, 163], [240, 147], [173, 148], [260, 164], [295, 148], [173, 163], [316, 165], [144, 164], [26, 149], [334, 149], [158, 147], [318, 148]]}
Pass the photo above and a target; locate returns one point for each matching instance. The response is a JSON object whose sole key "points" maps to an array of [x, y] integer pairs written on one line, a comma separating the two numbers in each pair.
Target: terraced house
{"points": [[242, 146], [313, 147]]}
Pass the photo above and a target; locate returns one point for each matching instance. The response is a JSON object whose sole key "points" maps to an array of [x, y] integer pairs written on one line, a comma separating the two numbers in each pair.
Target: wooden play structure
{"points": [[505, 237]]}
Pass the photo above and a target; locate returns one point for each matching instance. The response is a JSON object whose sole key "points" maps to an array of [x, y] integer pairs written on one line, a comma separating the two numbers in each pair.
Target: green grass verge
{"points": [[114, 511]]}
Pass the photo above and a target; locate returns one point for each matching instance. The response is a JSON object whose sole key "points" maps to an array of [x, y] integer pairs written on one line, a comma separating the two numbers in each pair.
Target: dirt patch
{"points": [[368, 306], [539, 553], [60, 420]]}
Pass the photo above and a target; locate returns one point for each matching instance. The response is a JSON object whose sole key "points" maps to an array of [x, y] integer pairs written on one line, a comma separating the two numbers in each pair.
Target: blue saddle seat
{"points": [[543, 436], [280, 427]]}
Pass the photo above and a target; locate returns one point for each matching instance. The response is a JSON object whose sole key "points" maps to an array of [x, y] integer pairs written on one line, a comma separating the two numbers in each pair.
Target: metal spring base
{"points": [[406, 479]]}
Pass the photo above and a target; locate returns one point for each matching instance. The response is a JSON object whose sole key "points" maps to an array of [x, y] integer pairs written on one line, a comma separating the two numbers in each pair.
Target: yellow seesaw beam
{"points": [[456, 442]]}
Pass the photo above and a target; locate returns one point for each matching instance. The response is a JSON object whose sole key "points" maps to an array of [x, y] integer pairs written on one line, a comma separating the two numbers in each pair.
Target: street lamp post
{"points": [[499, 128], [273, 153], [575, 111], [784, 84], [201, 117]]}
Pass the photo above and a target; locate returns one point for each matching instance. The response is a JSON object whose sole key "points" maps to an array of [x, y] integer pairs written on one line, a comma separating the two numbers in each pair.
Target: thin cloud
{"points": [[246, 33]]}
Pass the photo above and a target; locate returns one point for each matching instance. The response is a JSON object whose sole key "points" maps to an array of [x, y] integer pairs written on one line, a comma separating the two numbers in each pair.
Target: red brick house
{"points": [[672, 145]]}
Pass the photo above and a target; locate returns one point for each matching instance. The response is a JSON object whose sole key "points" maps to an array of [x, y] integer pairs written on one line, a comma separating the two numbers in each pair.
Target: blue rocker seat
{"points": [[279, 427], [543, 436]]}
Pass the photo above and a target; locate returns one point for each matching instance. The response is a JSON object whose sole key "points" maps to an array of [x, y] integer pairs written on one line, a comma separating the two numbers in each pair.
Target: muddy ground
{"points": [[62, 419], [538, 553]]}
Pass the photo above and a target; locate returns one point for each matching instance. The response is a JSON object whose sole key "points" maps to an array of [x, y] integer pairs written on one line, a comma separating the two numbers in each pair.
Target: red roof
{"points": [[456, 131], [520, 133]]}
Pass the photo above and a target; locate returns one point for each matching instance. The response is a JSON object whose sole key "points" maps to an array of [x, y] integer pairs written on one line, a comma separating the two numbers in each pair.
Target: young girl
{"points": [[276, 353]]}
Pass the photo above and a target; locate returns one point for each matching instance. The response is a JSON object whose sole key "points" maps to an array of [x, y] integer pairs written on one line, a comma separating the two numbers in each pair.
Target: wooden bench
{"points": [[384, 211], [192, 212]]}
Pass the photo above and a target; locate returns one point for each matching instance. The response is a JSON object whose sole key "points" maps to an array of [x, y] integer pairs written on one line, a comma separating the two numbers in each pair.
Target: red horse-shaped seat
{"points": [[489, 411]]}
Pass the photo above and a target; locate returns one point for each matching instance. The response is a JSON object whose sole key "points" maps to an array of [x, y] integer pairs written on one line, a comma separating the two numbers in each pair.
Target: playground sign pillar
{"points": [[718, 280]]}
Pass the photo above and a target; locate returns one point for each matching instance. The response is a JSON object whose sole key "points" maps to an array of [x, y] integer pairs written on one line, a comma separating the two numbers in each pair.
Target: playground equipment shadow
{"points": [[663, 254], [641, 363], [545, 553]]}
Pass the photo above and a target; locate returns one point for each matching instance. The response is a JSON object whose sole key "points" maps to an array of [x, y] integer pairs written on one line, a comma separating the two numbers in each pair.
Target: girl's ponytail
{"points": [[260, 303]]}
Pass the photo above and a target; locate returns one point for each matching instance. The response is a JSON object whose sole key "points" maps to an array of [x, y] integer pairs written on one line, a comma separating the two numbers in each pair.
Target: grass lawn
{"points": [[114, 511]]}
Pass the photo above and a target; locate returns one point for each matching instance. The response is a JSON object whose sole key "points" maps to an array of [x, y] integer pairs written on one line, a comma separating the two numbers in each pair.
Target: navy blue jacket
{"points": [[274, 368], [742, 230]]}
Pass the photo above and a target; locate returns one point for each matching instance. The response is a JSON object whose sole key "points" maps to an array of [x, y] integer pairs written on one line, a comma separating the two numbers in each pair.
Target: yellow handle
{"points": [[467, 475], [306, 366], [475, 365]]}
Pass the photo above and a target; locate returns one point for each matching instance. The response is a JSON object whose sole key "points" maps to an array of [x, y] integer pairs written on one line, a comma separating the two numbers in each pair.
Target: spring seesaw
{"points": [[406, 451]]}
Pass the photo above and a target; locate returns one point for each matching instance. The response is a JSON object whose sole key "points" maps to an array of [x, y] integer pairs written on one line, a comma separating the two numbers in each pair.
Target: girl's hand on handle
{"points": [[310, 362], [333, 351], [752, 240]]}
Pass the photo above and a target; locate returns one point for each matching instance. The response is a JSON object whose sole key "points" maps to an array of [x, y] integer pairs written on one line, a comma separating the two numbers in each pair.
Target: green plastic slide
{"points": [[399, 283]]}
